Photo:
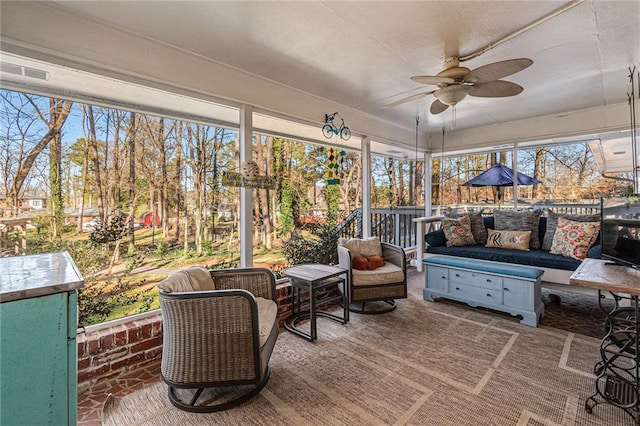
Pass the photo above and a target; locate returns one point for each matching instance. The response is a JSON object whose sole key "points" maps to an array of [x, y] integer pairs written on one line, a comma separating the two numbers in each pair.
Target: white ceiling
{"points": [[360, 55]]}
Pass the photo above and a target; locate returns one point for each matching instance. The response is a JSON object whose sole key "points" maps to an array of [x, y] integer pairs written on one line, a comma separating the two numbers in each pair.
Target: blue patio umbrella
{"points": [[500, 176]]}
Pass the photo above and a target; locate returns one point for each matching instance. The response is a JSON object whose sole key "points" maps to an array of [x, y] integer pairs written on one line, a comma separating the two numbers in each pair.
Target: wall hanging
{"points": [[335, 168], [329, 129], [249, 177]]}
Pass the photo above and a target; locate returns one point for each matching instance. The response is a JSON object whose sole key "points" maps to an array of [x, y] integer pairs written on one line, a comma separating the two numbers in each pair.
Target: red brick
{"points": [[154, 353], [93, 346], [96, 372], [106, 342], [81, 348], [117, 365], [121, 338], [83, 363], [156, 329], [145, 331], [134, 334], [109, 356], [147, 344]]}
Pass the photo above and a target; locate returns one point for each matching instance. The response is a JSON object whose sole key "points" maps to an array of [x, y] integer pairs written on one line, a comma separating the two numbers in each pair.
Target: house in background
{"points": [[29, 203]]}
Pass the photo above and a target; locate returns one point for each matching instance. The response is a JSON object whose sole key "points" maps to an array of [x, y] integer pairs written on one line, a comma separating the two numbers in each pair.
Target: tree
{"points": [[22, 112]]}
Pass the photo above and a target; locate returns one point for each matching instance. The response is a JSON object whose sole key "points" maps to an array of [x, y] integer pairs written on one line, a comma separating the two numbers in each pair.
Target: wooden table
{"points": [[618, 371], [313, 277]]}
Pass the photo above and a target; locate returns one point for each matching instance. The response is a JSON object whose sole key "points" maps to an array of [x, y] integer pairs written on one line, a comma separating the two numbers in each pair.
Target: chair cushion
{"points": [[387, 274], [267, 314], [194, 278], [362, 247]]}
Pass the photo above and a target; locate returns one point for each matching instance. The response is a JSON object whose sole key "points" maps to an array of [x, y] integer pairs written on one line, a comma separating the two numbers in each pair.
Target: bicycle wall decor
{"points": [[329, 129]]}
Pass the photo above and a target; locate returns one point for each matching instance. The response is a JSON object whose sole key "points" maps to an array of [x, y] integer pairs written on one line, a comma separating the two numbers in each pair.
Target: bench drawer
{"points": [[437, 278], [476, 279], [476, 294]]}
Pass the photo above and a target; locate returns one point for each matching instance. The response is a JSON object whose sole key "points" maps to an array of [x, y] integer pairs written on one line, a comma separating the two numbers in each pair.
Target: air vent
{"points": [[23, 71]]}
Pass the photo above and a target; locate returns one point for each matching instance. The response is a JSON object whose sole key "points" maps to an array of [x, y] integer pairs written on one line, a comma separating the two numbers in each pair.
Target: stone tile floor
{"points": [[91, 401], [573, 313]]}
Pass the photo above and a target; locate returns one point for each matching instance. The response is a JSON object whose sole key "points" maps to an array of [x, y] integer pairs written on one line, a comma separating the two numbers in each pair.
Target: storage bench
{"points": [[514, 289]]}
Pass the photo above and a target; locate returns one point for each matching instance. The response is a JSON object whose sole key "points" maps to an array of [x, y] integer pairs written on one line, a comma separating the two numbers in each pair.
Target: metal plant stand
{"points": [[618, 371]]}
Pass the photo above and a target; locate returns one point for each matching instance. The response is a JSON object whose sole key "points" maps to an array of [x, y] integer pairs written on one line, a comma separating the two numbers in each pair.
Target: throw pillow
{"points": [[458, 231], [573, 238], [516, 240], [361, 263], [520, 221], [368, 263], [362, 247], [552, 224], [477, 225], [436, 238], [376, 261]]}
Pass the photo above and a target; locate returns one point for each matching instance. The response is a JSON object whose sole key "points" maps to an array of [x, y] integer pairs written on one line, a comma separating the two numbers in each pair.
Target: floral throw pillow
{"points": [[515, 240], [573, 238], [458, 231]]}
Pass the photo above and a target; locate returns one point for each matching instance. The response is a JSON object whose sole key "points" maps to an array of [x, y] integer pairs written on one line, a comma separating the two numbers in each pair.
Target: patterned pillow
{"points": [[458, 231], [516, 240], [519, 221], [477, 225], [552, 224], [573, 238]]}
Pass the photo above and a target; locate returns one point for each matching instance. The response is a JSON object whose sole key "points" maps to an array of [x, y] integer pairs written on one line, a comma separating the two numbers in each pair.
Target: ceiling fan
{"points": [[456, 82]]}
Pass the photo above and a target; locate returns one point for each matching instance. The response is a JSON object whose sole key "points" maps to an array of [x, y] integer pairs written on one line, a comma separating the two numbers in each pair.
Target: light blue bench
{"points": [[507, 288]]}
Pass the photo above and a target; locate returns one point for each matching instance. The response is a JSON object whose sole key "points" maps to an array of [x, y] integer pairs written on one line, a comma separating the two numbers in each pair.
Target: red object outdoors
{"points": [[147, 220]]}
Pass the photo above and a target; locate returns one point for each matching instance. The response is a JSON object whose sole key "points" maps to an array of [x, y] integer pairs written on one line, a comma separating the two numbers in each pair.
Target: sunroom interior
{"points": [[278, 68]]}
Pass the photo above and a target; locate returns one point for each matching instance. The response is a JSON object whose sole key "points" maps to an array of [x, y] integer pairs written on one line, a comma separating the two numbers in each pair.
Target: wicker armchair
{"points": [[384, 284], [219, 329]]}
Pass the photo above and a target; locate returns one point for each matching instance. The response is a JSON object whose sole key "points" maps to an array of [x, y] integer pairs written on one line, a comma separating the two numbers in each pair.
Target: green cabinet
{"points": [[38, 353]]}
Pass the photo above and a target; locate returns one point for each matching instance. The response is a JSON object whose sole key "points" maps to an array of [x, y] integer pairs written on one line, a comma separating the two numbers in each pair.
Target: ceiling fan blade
{"points": [[437, 107], [408, 99], [497, 70], [496, 89], [432, 79]]}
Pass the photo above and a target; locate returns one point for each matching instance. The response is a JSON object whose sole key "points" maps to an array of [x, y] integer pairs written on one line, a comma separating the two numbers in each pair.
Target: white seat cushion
{"points": [[267, 314], [387, 274]]}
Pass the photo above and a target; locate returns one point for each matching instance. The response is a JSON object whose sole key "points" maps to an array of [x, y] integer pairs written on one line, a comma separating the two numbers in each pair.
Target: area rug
{"points": [[422, 364]]}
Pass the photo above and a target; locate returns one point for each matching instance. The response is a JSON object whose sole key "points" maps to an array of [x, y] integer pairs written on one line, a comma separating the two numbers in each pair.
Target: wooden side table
{"points": [[311, 278], [617, 372]]}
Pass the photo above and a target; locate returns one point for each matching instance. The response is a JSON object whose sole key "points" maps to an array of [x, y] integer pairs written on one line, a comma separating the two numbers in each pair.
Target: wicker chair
{"points": [[384, 284], [219, 329]]}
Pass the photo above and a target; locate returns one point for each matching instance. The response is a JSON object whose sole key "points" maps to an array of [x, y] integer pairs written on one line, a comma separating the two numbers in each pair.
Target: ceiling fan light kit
{"points": [[455, 82]]}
